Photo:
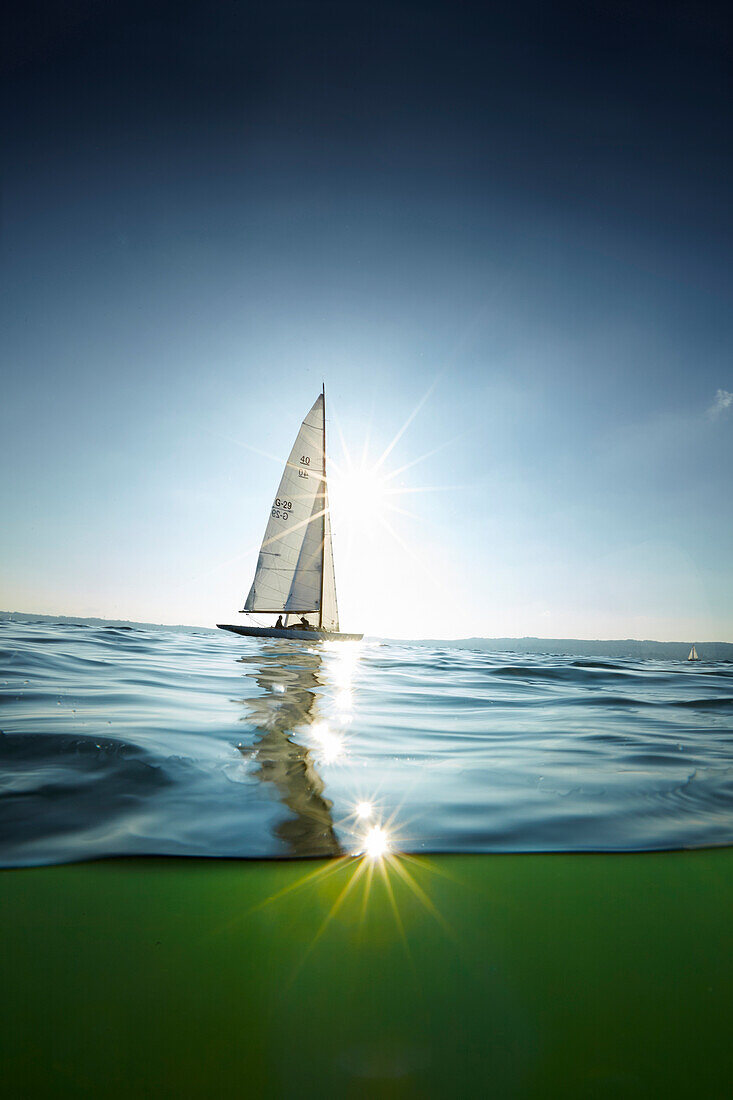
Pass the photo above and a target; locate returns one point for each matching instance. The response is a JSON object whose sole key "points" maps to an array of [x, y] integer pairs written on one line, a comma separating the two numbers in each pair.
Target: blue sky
{"points": [[526, 222]]}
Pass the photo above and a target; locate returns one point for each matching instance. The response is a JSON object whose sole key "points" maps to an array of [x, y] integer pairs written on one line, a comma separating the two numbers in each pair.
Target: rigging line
{"points": [[251, 616]]}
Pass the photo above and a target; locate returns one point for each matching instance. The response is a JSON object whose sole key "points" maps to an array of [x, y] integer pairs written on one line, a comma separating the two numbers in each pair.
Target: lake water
{"points": [[119, 741]]}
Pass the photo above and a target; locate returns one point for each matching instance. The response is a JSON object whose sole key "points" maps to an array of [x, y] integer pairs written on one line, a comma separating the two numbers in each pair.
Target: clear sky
{"points": [[523, 213]]}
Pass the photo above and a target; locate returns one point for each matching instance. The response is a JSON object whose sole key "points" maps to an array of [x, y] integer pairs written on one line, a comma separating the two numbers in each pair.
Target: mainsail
{"points": [[294, 573], [693, 655]]}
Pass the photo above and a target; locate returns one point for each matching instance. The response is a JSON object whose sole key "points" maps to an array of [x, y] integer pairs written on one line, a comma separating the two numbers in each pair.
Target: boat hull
{"points": [[291, 635]]}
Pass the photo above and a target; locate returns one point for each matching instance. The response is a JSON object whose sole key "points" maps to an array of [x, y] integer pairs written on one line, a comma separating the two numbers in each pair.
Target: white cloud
{"points": [[721, 404]]}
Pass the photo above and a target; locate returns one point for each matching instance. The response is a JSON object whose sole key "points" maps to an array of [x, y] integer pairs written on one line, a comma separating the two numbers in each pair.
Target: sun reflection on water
{"points": [[330, 744], [342, 661], [304, 706], [376, 843]]}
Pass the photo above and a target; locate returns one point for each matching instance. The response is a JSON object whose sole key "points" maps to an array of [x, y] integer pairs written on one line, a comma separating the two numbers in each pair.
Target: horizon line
{"points": [[375, 637]]}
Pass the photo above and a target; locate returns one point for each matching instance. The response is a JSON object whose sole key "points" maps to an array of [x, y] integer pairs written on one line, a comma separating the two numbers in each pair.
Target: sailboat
{"points": [[295, 577], [693, 655]]}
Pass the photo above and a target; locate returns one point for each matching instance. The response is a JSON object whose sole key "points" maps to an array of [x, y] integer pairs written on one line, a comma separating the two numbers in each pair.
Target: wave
{"points": [[120, 740]]}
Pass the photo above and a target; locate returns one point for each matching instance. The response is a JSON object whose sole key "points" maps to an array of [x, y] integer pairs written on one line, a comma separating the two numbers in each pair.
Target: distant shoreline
{"points": [[85, 620], [577, 647], [638, 649]]}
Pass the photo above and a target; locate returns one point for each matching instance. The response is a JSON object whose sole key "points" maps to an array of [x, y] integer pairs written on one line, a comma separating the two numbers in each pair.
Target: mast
{"points": [[323, 540]]}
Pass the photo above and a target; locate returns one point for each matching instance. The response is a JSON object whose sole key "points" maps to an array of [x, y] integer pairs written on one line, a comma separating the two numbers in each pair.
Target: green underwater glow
{"points": [[507, 975]]}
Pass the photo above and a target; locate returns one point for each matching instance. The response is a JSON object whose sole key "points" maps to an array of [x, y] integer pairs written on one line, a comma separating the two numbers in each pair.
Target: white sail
{"points": [[289, 573], [328, 617], [308, 571], [693, 655]]}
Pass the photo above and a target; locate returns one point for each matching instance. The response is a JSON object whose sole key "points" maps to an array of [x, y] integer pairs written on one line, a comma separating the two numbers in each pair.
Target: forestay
{"points": [[290, 574]]}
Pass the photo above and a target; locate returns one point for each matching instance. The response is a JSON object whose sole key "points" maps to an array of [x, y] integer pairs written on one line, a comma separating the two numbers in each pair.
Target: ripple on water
{"points": [[120, 740]]}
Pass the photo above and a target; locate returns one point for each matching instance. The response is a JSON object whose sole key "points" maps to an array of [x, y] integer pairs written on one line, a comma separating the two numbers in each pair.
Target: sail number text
{"points": [[281, 509], [304, 461]]}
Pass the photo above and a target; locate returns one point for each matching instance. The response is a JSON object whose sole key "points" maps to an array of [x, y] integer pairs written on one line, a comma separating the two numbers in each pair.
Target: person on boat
{"points": [[279, 623], [304, 624]]}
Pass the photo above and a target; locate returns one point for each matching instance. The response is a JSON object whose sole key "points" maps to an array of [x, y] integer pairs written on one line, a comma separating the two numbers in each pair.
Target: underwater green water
{"points": [[499, 975]]}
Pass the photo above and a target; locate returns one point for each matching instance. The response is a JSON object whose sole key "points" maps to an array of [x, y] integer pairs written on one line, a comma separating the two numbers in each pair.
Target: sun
{"points": [[377, 531]]}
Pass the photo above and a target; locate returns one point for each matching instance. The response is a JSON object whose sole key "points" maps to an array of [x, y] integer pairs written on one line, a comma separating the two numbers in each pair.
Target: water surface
{"points": [[119, 741]]}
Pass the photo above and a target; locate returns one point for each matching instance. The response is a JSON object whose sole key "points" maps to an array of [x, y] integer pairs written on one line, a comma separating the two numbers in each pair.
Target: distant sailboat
{"points": [[693, 655], [294, 576]]}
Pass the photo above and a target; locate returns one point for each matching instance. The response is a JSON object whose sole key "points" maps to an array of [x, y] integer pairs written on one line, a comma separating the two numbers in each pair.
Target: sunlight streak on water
{"points": [[331, 746]]}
